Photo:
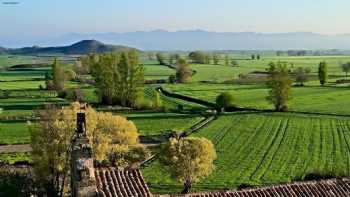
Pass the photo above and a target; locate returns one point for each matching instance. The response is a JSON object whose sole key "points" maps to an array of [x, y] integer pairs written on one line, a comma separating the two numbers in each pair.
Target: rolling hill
{"points": [[82, 47]]}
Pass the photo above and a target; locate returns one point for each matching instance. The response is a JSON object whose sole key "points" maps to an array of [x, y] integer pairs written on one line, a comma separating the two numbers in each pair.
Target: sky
{"points": [[58, 17]]}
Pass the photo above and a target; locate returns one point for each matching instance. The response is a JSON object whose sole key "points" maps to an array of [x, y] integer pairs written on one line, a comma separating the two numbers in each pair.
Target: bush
{"points": [[172, 79], [225, 100], [74, 95], [70, 75], [62, 94]]}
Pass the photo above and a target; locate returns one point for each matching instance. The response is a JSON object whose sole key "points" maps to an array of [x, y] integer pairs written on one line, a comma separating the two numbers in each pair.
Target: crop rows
{"points": [[259, 149]]}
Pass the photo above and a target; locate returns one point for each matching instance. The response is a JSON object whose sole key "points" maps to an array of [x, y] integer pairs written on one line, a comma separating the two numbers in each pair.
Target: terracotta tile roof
{"points": [[324, 188], [112, 182]]}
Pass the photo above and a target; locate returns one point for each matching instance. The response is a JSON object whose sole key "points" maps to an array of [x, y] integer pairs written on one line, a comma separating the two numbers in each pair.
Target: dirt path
{"points": [[18, 148]]}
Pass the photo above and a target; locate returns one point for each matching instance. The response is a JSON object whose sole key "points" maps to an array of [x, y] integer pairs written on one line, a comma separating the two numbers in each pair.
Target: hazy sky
{"points": [[55, 17]]}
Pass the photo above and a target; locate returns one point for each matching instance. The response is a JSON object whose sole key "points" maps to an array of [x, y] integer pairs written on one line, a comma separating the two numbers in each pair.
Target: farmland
{"points": [[267, 148], [330, 99], [253, 148]]}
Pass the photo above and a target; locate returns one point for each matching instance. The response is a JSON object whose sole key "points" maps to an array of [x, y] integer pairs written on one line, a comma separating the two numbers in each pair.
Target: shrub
{"points": [[225, 100], [70, 75], [172, 79]]}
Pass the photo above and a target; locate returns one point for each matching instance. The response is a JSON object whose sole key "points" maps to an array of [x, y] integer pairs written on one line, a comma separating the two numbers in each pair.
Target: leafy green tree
{"points": [[197, 57], [280, 84], [253, 57], [227, 60], [70, 75], [188, 159], [234, 63], [50, 141], [48, 82], [346, 68], [258, 56], [225, 100], [323, 73], [173, 58], [119, 78], [301, 75], [172, 79], [207, 59], [161, 58], [80, 67], [183, 72], [58, 75], [216, 59], [150, 56]]}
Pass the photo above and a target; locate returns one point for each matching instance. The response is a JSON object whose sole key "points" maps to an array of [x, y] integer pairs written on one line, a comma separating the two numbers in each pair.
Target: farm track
{"points": [[15, 148]]}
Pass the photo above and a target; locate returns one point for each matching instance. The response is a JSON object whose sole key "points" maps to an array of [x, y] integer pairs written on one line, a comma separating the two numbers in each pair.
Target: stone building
{"points": [[88, 181]]}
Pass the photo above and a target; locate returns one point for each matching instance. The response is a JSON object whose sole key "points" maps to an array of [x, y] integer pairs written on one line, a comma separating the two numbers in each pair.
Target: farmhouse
{"points": [[88, 181]]}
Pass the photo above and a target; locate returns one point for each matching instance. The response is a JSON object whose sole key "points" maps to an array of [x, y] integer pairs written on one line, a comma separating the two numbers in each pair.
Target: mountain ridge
{"points": [[206, 40], [78, 48], [198, 39]]}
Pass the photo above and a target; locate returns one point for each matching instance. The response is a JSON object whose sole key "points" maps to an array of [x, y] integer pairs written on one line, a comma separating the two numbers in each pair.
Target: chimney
{"points": [[83, 183]]}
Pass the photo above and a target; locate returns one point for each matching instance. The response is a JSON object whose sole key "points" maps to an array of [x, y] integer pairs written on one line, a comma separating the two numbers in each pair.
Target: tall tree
{"points": [[120, 78], [207, 59], [323, 73], [216, 59], [188, 159], [183, 72], [161, 58], [346, 68], [227, 60], [280, 84], [301, 75], [253, 57], [197, 57], [58, 75], [150, 55]]}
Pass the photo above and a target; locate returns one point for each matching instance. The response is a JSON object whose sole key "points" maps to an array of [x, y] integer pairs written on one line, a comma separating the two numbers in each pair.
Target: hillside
{"points": [[82, 47]]}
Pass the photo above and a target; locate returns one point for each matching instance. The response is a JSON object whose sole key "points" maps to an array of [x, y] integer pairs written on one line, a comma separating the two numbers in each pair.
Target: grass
{"points": [[12, 158], [263, 149], [154, 71], [28, 103], [13, 132], [155, 125]]}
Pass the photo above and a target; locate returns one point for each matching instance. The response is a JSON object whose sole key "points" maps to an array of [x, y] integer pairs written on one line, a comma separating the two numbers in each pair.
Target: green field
{"points": [[162, 124], [330, 99], [260, 149], [14, 132]]}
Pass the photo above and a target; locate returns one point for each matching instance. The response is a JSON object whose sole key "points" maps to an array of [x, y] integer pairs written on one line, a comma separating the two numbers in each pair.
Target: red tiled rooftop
{"points": [[112, 182]]}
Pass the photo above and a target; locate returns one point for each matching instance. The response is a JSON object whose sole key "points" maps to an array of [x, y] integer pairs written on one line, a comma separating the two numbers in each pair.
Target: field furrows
{"points": [[265, 149]]}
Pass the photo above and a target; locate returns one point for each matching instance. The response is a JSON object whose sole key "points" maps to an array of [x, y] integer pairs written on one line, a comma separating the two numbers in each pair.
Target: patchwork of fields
{"points": [[253, 148]]}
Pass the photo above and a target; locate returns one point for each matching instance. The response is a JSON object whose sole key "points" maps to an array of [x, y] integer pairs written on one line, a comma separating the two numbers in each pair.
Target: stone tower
{"points": [[83, 183]]}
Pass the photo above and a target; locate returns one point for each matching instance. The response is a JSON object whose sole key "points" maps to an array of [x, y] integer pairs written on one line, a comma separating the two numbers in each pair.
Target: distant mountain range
{"points": [[82, 47], [202, 40]]}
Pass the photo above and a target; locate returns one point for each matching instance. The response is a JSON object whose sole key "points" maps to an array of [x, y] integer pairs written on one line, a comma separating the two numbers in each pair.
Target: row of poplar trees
{"points": [[119, 77]]}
